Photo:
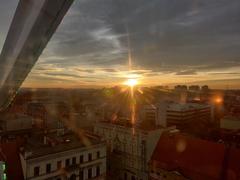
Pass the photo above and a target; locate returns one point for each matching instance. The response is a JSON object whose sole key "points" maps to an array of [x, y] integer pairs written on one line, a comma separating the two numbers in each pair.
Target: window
{"points": [[98, 171], [36, 171], [89, 173], [89, 157], [81, 175], [67, 162], [48, 168], [98, 154], [125, 176], [73, 177], [73, 160], [81, 159], [59, 164]]}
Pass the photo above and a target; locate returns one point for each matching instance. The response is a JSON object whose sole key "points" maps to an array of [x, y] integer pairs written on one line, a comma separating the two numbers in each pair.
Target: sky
{"points": [[170, 42]]}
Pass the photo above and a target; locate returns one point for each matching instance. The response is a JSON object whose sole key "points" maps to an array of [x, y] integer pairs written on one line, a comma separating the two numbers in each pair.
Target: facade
{"points": [[64, 156], [166, 114], [15, 122], [129, 149], [180, 88], [205, 88], [148, 113], [181, 115], [230, 123], [194, 88]]}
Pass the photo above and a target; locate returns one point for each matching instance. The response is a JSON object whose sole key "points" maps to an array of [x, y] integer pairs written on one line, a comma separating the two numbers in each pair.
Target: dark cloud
{"points": [[51, 79], [66, 75], [225, 73], [151, 74], [109, 70], [218, 66], [90, 71], [178, 32], [187, 72], [166, 37]]}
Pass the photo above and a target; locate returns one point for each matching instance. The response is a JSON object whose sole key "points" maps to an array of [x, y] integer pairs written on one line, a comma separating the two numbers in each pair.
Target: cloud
{"points": [[111, 70], [218, 66], [90, 71], [225, 73], [167, 38], [190, 33], [187, 72]]}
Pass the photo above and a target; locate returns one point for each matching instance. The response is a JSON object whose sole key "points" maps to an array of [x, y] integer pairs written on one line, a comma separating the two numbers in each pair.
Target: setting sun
{"points": [[131, 82]]}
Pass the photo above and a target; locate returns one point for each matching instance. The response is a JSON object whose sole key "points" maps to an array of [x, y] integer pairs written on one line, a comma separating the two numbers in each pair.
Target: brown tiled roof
{"points": [[233, 164], [194, 158]]}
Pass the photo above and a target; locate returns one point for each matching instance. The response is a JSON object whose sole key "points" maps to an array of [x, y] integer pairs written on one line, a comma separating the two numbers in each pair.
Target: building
{"points": [[181, 157], [15, 122], [129, 148], [148, 113], [230, 123], [205, 88], [182, 115], [64, 156], [167, 113], [180, 88], [194, 88]]}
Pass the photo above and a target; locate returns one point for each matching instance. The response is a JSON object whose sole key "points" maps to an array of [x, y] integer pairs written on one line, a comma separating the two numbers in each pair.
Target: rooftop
{"points": [[186, 106], [195, 158], [35, 147], [128, 124]]}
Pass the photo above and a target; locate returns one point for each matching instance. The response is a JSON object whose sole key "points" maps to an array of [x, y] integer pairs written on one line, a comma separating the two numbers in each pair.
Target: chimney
{"points": [[45, 138]]}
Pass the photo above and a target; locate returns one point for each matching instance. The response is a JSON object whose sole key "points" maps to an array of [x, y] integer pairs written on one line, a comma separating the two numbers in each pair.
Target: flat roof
{"points": [[186, 106], [35, 146], [128, 125]]}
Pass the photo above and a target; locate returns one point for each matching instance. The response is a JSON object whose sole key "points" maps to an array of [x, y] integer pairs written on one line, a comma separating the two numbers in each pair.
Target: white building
{"points": [[64, 157], [166, 114], [181, 115], [230, 123], [129, 149]]}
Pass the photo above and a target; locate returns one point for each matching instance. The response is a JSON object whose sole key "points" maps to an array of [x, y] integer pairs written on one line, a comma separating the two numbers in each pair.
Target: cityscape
{"points": [[119, 90]]}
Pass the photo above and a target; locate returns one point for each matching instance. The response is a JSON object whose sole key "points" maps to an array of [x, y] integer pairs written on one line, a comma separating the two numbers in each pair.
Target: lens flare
{"points": [[218, 100], [131, 82]]}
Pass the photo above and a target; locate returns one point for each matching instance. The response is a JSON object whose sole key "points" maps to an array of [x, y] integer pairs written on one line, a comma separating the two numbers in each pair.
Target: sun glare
{"points": [[131, 82]]}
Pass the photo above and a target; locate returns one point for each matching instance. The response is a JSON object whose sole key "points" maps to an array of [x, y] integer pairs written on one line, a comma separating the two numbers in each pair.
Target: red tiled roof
{"points": [[194, 158], [10, 151], [233, 165]]}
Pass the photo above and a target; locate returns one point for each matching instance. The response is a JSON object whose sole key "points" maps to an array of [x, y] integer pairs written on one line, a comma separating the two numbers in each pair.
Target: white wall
{"points": [[54, 158]]}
